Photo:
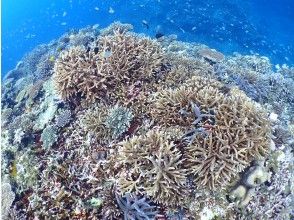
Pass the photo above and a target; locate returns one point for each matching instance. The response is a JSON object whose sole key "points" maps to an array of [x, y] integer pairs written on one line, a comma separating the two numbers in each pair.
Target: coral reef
{"points": [[109, 124]]}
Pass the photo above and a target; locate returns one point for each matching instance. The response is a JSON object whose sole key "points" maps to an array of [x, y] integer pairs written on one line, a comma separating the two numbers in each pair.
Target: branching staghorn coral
{"points": [[225, 131], [112, 62], [106, 122], [135, 208], [152, 165], [173, 106], [93, 123]]}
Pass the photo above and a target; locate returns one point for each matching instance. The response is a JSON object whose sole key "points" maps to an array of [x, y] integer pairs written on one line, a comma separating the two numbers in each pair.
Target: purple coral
{"points": [[136, 208]]}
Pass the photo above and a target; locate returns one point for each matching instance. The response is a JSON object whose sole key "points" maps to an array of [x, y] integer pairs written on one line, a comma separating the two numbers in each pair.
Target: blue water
{"points": [[257, 26]]}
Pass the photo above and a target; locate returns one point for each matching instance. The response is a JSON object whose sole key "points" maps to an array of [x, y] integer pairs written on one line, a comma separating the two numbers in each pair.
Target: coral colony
{"points": [[109, 124]]}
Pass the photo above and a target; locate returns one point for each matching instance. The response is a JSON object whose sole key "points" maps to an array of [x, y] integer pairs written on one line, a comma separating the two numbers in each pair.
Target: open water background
{"points": [[265, 27]]}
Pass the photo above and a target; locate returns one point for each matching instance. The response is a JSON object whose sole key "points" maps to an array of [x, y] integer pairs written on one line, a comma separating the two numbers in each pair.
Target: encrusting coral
{"points": [[49, 136]]}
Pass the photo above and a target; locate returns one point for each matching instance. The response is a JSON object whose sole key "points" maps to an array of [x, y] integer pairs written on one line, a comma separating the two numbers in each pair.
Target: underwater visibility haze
{"points": [[151, 109]]}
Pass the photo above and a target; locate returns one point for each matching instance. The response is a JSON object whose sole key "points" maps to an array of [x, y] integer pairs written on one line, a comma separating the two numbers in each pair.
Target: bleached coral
{"points": [[7, 198]]}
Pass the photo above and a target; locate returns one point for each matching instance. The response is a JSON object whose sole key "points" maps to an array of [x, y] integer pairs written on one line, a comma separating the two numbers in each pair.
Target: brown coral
{"points": [[225, 130], [151, 164], [173, 106], [112, 62]]}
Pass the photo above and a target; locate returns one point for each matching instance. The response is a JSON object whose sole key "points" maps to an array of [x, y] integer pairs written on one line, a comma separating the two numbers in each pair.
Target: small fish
{"points": [[64, 14], [145, 23], [106, 54], [95, 26], [182, 30], [159, 35], [30, 36], [63, 23], [52, 59], [96, 9], [111, 11]]}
